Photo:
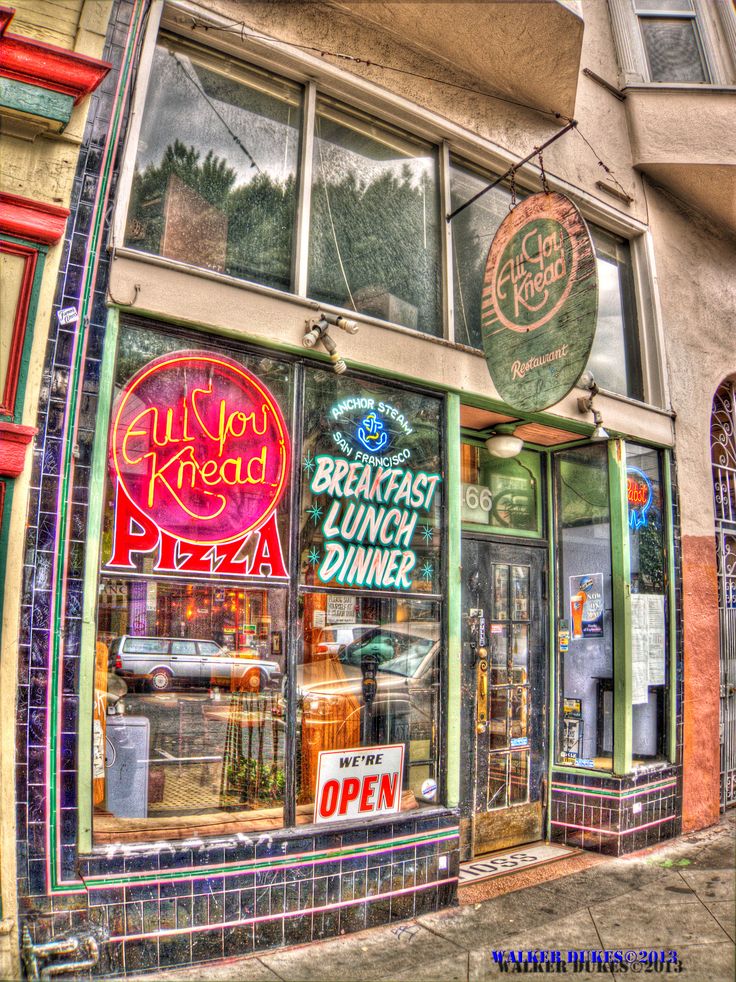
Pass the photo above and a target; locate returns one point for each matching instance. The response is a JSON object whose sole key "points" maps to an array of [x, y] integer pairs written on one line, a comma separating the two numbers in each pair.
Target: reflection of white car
{"points": [[333, 638], [407, 656], [167, 662]]}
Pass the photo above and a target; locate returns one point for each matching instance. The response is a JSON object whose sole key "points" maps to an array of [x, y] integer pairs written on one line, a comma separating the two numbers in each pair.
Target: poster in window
{"points": [[586, 605]]}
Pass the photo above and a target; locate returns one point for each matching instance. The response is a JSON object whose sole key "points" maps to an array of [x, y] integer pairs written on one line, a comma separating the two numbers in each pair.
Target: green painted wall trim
{"points": [[32, 100], [671, 722], [454, 589], [91, 568], [575, 427], [4, 534], [621, 589]]}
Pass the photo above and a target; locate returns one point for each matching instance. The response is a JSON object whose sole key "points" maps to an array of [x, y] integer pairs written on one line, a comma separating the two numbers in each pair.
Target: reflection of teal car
{"points": [[396, 650]]}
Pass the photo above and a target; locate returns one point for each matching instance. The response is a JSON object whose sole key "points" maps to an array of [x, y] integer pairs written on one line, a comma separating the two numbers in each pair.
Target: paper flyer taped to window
{"points": [[648, 643]]}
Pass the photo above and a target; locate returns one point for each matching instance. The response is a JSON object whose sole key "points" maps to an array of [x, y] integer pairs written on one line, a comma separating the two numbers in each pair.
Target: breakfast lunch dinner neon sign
{"points": [[374, 500], [199, 454]]}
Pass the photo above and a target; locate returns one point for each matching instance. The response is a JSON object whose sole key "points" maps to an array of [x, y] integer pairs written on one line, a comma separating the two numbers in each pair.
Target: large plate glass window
{"points": [[371, 575], [215, 173], [649, 602], [585, 622], [188, 727], [374, 238]]}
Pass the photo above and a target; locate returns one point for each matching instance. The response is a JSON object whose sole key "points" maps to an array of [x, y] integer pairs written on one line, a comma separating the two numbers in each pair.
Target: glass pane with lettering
{"points": [[372, 487]]}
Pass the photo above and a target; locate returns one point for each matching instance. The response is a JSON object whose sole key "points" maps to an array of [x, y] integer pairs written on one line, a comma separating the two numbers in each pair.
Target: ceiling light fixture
{"points": [[503, 443]]}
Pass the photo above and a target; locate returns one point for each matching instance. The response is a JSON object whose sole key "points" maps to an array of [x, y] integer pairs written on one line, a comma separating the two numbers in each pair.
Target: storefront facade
{"points": [[311, 613]]}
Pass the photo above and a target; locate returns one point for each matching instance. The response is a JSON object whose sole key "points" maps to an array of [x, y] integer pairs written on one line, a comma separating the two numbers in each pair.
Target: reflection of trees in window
{"points": [[373, 246], [245, 231]]}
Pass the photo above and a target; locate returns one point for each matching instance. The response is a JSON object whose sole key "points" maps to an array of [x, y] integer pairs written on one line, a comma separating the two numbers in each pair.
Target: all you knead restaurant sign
{"points": [[540, 302]]}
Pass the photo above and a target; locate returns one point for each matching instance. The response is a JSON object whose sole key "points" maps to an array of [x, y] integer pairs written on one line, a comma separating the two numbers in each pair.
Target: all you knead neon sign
{"points": [[199, 457]]}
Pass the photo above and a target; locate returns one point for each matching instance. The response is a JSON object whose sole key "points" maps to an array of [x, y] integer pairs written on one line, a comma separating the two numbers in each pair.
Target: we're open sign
{"points": [[358, 782]]}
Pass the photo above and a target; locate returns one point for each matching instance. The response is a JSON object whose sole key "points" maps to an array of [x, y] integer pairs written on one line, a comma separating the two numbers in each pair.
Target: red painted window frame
{"points": [[20, 323]]}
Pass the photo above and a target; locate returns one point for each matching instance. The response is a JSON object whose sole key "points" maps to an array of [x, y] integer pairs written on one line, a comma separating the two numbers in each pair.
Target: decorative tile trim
{"points": [[285, 915], [288, 861], [617, 832], [612, 793]]}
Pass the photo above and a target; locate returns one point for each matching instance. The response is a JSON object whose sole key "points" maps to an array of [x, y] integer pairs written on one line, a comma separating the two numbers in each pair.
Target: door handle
{"points": [[481, 711]]}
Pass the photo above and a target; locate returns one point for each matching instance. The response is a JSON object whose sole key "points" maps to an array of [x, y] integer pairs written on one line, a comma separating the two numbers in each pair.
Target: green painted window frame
{"points": [[448, 760], [540, 476], [622, 621]]}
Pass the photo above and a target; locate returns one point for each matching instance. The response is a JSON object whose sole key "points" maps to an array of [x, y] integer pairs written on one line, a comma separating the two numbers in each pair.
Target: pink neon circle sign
{"points": [[199, 445]]}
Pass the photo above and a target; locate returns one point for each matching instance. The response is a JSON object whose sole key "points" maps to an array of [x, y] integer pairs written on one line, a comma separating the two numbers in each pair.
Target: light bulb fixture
{"points": [[316, 333], [585, 405], [503, 443]]}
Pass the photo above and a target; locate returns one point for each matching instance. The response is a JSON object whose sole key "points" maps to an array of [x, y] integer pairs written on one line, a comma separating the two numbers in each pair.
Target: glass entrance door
{"points": [[506, 643]]}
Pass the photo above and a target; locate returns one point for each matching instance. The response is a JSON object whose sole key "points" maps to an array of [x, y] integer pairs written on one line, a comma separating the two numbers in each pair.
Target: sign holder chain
{"points": [[543, 176], [512, 188]]}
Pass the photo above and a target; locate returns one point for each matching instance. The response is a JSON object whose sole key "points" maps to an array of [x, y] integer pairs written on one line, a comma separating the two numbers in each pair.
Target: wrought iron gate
{"points": [[723, 456]]}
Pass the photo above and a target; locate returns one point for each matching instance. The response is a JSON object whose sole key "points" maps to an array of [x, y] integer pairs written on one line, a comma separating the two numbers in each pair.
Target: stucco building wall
{"points": [[695, 266]]}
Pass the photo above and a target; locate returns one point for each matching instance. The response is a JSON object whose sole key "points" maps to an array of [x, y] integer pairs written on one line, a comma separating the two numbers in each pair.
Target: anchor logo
{"points": [[371, 433]]}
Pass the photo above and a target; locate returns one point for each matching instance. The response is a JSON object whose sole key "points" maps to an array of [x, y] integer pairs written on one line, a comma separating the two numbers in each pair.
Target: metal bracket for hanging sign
{"points": [[514, 167]]}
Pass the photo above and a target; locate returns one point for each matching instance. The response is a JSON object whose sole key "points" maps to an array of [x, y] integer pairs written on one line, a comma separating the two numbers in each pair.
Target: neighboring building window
{"points": [[672, 40], [585, 635], [215, 174], [18, 287], [614, 358], [374, 243]]}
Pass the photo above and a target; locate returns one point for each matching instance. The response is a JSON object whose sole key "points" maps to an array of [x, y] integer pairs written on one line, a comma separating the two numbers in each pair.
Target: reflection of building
{"points": [[414, 552]]}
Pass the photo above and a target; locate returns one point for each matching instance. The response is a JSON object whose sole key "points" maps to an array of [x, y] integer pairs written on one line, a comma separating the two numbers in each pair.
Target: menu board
{"points": [[647, 644]]}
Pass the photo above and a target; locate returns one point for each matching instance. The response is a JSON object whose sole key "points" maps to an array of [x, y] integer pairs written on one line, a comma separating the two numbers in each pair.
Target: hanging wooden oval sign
{"points": [[540, 302]]}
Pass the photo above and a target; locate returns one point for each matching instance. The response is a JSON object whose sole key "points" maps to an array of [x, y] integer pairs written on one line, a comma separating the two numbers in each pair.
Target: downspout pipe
{"points": [[71, 946]]}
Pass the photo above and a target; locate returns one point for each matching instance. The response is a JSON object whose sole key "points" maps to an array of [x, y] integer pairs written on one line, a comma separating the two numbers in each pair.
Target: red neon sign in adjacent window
{"points": [[199, 452]]}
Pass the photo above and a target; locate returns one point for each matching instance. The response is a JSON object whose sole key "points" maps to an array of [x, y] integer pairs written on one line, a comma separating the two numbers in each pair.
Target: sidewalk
{"points": [[678, 897]]}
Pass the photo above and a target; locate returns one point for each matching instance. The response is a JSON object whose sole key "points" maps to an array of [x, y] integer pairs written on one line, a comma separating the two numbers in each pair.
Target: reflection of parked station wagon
{"points": [[166, 662]]}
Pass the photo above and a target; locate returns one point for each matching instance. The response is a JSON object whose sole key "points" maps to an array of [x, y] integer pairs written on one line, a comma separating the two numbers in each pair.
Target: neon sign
{"points": [[640, 494], [372, 434], [199, 454], [367, 428], [370, 523]]}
